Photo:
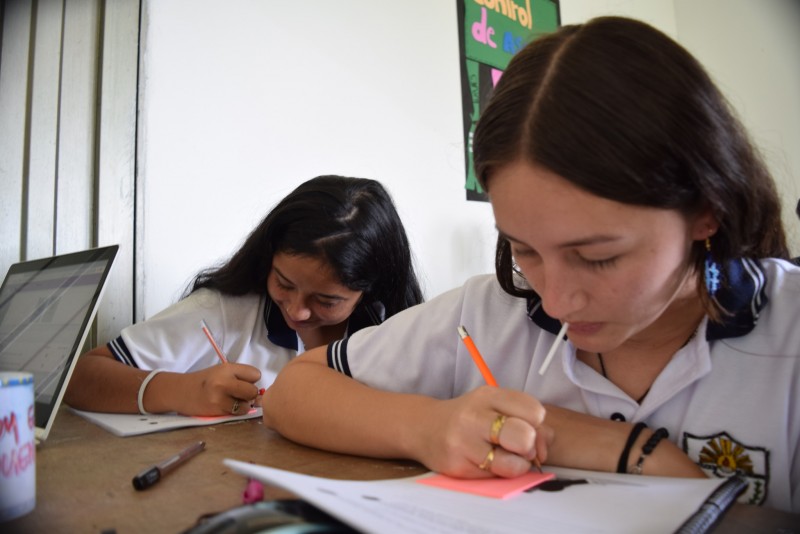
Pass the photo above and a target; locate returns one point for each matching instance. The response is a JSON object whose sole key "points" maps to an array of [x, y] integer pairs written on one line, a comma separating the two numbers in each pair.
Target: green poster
{"points": [[490, 33]]}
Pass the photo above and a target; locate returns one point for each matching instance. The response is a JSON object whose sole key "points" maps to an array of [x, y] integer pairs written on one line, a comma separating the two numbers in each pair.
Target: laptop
{"points": [[46, 311]]}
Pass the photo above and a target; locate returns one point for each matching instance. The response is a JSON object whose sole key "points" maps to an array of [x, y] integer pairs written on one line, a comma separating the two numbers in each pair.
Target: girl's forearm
{"points": [[586, 442]]}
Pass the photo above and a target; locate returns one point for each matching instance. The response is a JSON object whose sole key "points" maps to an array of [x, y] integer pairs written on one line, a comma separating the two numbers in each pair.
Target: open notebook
{"points": [[46, 311], [125, 424], [585, 501]]}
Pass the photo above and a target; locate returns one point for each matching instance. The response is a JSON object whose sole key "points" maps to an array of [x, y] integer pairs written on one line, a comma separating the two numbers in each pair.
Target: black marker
{"points": [[151, 475]]}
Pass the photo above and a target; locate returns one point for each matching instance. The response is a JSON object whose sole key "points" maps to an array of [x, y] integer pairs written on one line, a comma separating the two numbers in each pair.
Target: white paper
{"points": [[609, 503], [123, 424]]}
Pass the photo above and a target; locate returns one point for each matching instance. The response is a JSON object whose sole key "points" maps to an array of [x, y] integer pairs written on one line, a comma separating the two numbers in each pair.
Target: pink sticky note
{"points": [[499, 488]]}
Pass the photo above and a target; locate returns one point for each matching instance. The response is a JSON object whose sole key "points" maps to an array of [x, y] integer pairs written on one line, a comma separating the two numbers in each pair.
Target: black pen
{"points": [[151, 475]]}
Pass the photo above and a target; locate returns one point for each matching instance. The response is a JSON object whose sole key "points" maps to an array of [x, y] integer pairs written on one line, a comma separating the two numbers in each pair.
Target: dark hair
{"points": [[624, 112], [351, 223]]}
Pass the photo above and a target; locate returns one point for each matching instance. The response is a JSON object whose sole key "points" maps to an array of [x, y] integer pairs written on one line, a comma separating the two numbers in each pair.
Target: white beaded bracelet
{"points": [[146, 381]]}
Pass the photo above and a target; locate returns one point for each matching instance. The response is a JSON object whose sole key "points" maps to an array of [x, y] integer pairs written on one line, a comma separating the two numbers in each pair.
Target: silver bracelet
{"points": [[146, 381]]}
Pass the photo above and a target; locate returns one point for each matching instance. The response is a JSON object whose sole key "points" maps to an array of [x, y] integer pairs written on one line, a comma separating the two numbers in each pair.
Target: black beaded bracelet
{"points": [[622, 465], [648, 448]]}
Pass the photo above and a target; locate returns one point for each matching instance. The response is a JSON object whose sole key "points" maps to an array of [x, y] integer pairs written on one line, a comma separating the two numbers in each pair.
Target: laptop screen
{"points": [[46, 311]]}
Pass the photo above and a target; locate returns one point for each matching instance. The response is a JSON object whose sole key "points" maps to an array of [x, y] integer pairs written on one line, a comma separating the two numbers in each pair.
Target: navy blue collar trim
{"points": [[280, 334], [742, 294]]}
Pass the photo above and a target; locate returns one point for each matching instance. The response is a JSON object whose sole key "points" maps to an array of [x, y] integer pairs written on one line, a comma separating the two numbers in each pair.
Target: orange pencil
{"points": [[476, 356], [483, 368], [207, 332]]}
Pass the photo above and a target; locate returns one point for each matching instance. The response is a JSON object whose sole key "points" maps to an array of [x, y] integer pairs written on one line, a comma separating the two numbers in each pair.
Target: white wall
{"points": [[241, 103], [658, 13]]}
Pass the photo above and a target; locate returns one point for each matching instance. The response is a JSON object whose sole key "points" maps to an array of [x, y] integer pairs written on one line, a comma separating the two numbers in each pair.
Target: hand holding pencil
{"points": [[501, 419], [225, 389]]}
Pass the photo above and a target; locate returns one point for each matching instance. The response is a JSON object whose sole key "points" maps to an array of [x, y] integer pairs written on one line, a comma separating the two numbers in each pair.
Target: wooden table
{"points": [[84, 475], [84, 478]]}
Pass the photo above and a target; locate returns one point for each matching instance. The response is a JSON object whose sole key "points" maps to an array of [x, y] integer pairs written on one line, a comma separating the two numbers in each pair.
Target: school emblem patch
{"points": [[722, 456]]}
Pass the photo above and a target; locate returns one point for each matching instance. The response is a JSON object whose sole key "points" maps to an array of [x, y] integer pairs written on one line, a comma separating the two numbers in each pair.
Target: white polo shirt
{"points": [[173, 339], [249, 329], [730, 401]]}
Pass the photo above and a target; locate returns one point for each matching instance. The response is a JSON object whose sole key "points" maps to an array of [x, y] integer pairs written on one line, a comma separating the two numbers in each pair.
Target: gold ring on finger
{"points": [[486, 464], [235, 406], [497, 426]]}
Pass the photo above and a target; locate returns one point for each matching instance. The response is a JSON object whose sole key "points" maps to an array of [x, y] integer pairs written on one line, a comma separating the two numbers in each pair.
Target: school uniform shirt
{"points": [[249, 329], [730, 398]]}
